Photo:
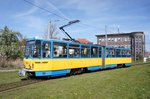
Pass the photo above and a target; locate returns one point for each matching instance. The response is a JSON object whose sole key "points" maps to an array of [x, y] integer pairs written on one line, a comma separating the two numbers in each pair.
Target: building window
{"points": [[115, 39], [109, 39], [102, 40], [126, 46], [125, 39], [129, 39]]}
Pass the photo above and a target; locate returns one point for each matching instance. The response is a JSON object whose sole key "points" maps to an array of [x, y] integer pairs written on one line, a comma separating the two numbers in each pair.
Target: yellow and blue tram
{"points": [[57, 58]]}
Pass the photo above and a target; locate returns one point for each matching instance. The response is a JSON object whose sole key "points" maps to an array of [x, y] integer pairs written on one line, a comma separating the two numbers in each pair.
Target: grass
{"points": [[141, 61], [148, 60], [8, 77], [124, 83]]}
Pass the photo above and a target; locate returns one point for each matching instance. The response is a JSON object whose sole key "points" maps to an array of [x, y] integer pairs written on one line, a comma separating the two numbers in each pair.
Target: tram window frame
{"points": [[118, 54], [111, 52], [83, 53], [36, 51], [76, 51], [100, 52], [46, 53], [124, 52], [128, 53], [106, 52], [29, 49], [94, 54], [56, 50]]}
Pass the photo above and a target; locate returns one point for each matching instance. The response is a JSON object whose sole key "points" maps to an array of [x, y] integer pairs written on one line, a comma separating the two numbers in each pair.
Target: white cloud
{"points": [[56, 9], [31, 20], [90, 7], [30, 11], [34, 22]]}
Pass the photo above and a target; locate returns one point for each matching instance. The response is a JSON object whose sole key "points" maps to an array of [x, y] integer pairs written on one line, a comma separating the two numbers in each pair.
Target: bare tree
{"points": [[51, 32]]}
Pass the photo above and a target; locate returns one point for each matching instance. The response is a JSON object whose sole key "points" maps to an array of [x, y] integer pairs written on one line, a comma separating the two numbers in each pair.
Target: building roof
{"points": [[85, 41], [147, 54], [121, 34]]}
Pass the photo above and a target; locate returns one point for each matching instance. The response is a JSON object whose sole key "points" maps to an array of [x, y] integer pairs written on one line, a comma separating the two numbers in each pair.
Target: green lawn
{"points": [[7, 77], [124, 83], [141, 61]]}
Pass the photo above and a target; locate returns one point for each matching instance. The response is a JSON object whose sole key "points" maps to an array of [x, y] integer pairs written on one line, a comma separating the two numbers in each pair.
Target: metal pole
{"points": [[105, 35], [48, 31], [50, 35], [118, 29]]}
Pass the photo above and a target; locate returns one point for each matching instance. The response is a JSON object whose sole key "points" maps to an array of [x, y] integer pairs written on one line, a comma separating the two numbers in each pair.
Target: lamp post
{"points": [[48, 32], [118, 29], [50, 29], [105, 35]]}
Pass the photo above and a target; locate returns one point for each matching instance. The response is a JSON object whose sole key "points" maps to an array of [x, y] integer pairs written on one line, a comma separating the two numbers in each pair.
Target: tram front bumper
{"points": [[23, 72]]}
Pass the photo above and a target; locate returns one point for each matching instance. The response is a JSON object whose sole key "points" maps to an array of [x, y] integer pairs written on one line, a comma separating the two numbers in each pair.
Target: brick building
{"points": [[133, 40]]}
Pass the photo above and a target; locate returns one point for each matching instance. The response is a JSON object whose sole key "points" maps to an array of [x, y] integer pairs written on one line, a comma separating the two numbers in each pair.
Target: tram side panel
{"points": [[113, 62], [75, 63], [60, 64], [115, 57]]}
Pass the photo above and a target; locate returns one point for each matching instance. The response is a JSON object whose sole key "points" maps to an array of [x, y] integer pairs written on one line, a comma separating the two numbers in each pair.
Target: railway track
{"points": [[14, 85]]}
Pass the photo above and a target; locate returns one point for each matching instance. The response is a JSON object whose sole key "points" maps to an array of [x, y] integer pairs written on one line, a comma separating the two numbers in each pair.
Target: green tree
{"points": [[10, 44], [140, 57]]}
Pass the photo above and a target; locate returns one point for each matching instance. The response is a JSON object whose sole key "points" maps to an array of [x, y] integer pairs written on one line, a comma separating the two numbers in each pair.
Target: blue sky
{"points": [[129, 15]]}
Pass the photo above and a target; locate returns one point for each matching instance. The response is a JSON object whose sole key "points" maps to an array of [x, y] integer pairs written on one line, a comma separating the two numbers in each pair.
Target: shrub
{"points": [[11, 64]]}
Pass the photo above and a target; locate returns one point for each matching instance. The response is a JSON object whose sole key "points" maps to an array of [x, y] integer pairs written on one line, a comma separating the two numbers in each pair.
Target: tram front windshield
{"points": [[33, 49]]}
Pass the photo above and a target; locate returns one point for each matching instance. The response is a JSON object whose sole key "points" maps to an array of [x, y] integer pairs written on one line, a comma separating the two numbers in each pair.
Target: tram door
{"points": [[103, 56]]}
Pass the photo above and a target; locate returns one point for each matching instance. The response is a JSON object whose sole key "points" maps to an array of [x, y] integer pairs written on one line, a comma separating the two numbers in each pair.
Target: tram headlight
{"points": [[32, 65], [29, 66]]}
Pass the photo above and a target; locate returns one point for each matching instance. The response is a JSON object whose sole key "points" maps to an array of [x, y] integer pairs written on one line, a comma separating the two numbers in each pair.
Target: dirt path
{"points": [[9, 70]]}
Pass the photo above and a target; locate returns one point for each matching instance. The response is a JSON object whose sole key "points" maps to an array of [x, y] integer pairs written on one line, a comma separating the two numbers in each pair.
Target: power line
{"points": [[45, 10], [92, 26], [57, 14]]}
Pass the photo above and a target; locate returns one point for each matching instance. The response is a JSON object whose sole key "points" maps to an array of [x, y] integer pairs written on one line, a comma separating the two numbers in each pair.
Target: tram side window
{"points": [[74, 51], [107, 52], [85, 51], [128, 53], [124, 53], [111, 52], [37, 50], [100, 52], [94, 51], [121, 53], [60, 50], [46, 50], [118, 53]]}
